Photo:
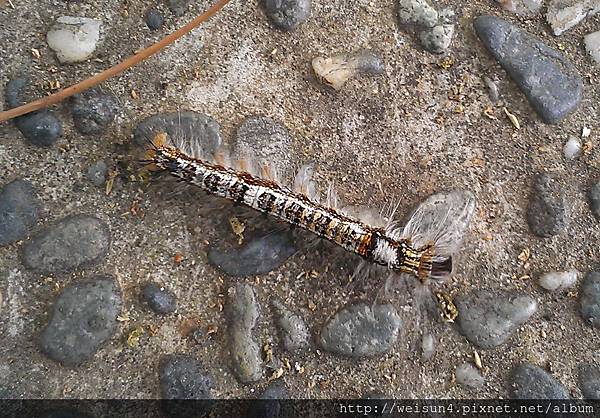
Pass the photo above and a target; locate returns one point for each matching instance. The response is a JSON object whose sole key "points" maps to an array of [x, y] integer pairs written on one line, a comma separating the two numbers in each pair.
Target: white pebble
{"points": [[585, 132], [572, 148], [468, 375], [558, 280], [428, 346], [74, 39], [592, 45]]}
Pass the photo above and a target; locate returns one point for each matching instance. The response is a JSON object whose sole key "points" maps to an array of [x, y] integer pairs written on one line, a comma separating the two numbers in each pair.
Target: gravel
{"points": [[294, 332], [19, 210], [589, 298], [546, 212], [528, 381], [93, 111], [96, 173], [158, 298]]}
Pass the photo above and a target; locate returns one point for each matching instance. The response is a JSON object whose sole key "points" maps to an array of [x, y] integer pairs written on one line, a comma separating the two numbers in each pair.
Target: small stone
{"points": [[468, 376], [93, 110], [335, 71], [258, 255], [427, 347], [74, 39], [183, 377], [592, 45], [589, 381], [195, 130], [417, 13], [562, 15], [83, 318], [70, 243], [178, 7], [154, 19], [559, 280], [267, 405], [159, 299], [589, 298], [572, 148], [96, 173], [594, 197], [361, 330], [245, 351], [435, 30], [550, 82], [521, 7], [287, 14], [19, 211], [438, 39], [546, 212], [294, 332], [41, 127], [528, 381], [492, 89], [487, 319]]}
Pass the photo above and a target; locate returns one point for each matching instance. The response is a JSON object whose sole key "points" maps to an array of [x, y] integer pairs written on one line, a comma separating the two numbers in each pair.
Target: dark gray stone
{"points": [[361, 330], [528, 381], [19, 210], [40, 127], [256, 256], [245, 351], [595, 199], [546, 212], [70, 243], [93, 110], [154, 19], [159, 299], [267, 405], [487, 319], [293, 329], [287, 14], [178, 7], [96, 173], [588, 377], [83, 318], [550, 82], [589, 298]]}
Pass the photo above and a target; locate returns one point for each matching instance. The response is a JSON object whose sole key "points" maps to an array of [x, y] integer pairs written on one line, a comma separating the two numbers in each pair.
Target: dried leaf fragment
{"points": [[513, 119]]}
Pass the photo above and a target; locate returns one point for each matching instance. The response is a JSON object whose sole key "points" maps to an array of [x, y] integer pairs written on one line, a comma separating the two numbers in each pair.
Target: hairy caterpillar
{"points": [[423, 248]]}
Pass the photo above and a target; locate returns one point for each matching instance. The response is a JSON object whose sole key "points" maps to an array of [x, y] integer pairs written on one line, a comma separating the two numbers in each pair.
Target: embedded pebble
{"points": [[549, 81], [245, 351], [572, 148], [546, 212], [93, 110], [589, 381], [592, 45], [70, 243], [439, 38], [96, 173], [469, 376], [40, 127], [427, 347], [154, 19], [562, 15], [268, 404], [492, 89], [417, 13], [589, 298], [528, 381], [435, 29], [178, 7], [19, 210], [294, 332], [337, 70], [182, 376], [84, 317], [256, 256], [74, 39], [361, 330], [487, 319], [186, 127], [594, 197], [287, 14], [558, 280], [521, 7], [158, 298]]}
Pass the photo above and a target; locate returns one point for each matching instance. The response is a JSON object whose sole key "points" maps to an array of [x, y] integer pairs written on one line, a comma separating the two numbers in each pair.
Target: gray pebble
{"points": [[562, 15], [154, 19], [546, 212], [293, 329], [427, 347], [361, 330], [594, 197], [40, 127], [588, 378], [19, 210], [521, 7], [287, 14], [183, 377], [93, 110], [438, 38], [178, 7], [158, 298], [487, 319], [492, 89], [70, 243], [258, 255], [417, 12], [528, 381], [96, 173], [550, 82], [245, 351], [592, 45], [589, 298], [83, 318], [267, 405], [558, 280], [469, 376]]}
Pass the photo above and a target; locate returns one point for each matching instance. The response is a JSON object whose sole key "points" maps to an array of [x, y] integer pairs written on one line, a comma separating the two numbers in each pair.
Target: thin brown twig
{"points": [[112, 71]]}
